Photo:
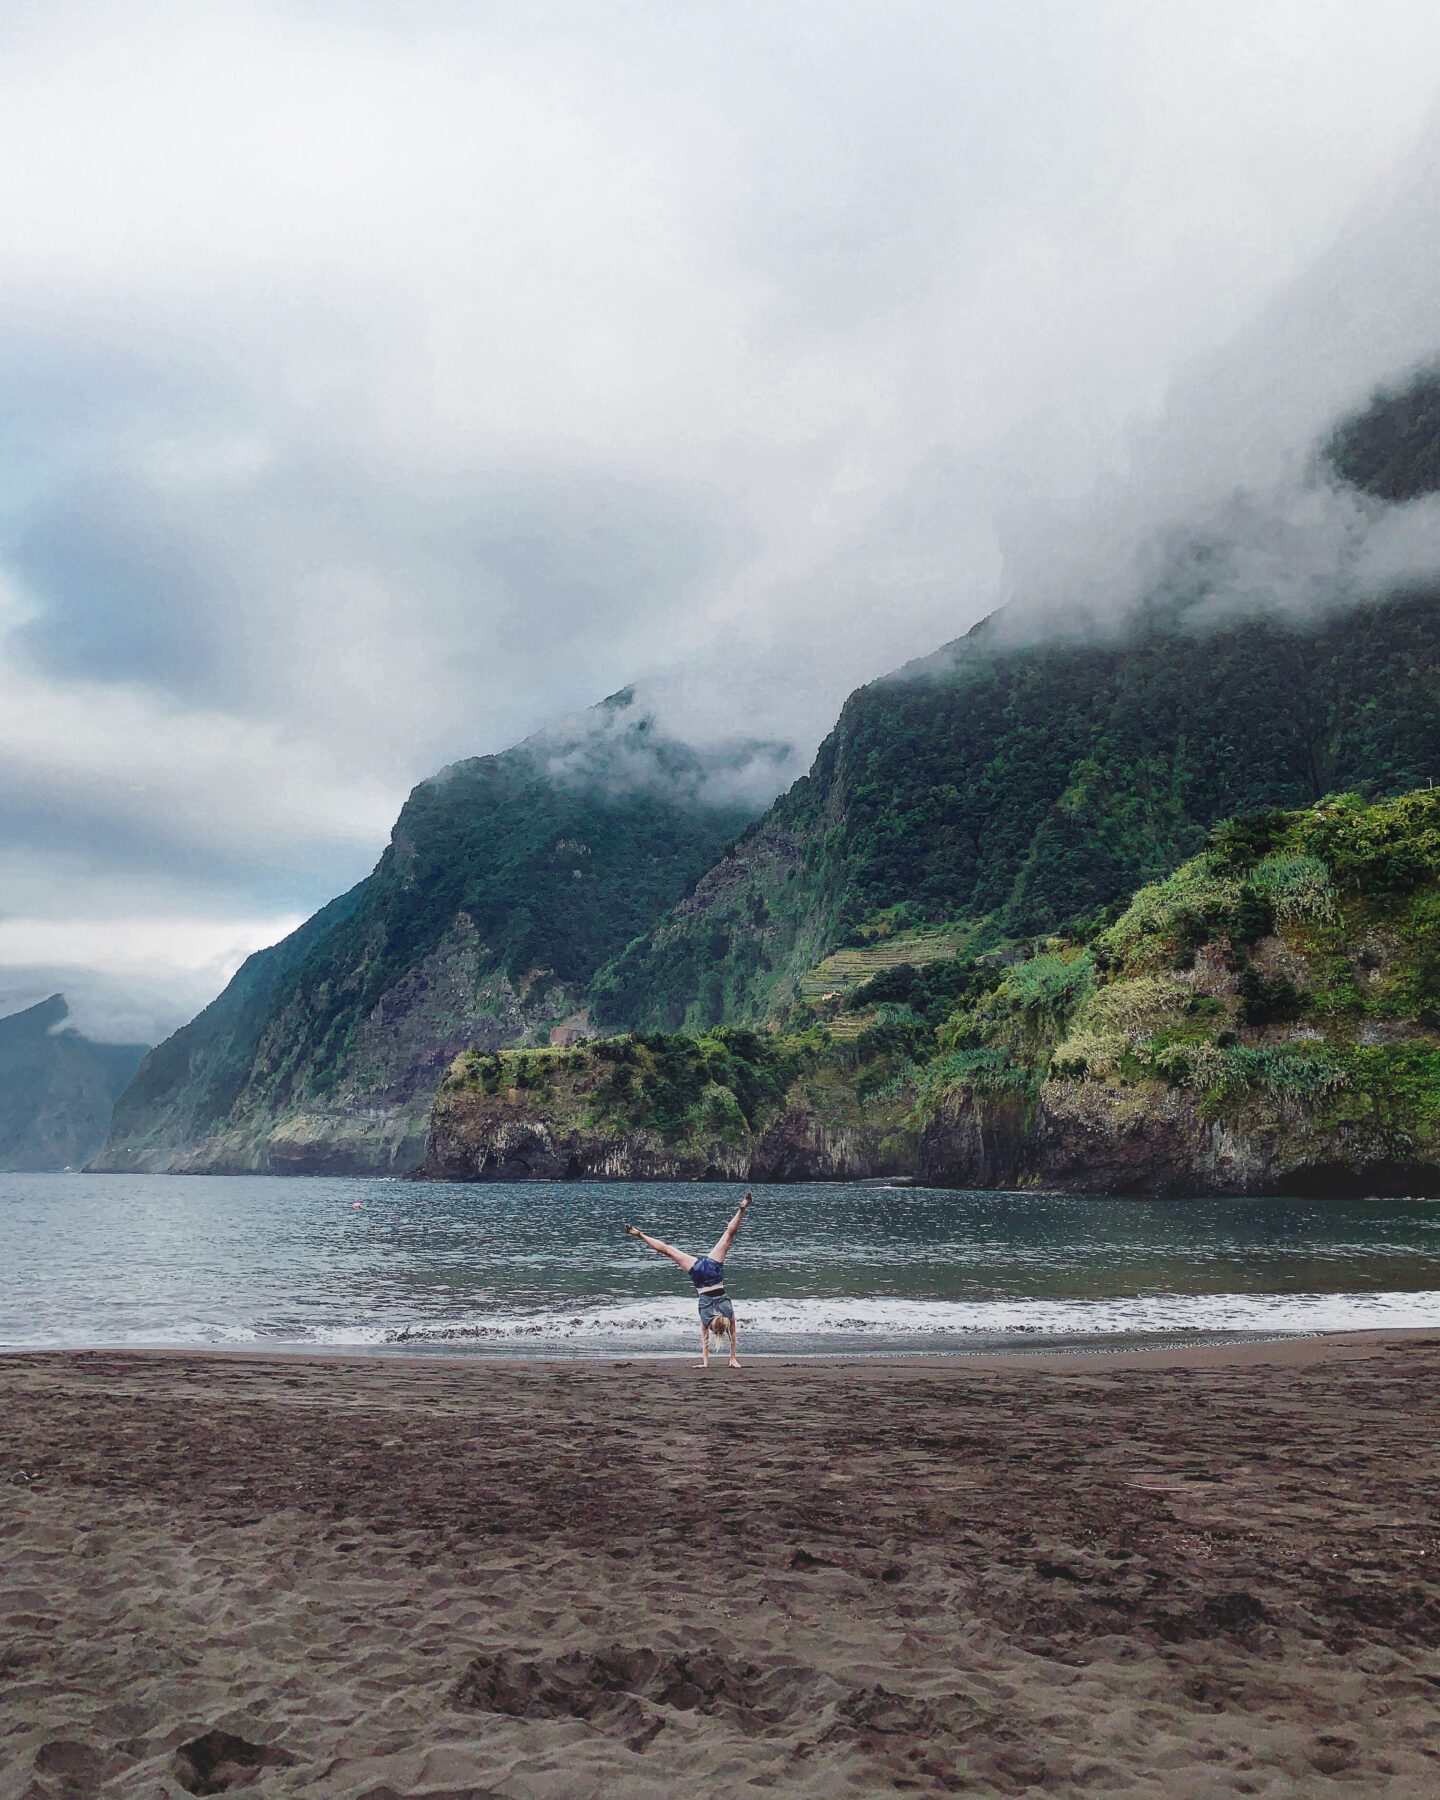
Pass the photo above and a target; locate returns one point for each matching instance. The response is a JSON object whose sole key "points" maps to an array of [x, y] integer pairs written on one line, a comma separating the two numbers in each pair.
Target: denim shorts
{"points": [[716, 1306]]}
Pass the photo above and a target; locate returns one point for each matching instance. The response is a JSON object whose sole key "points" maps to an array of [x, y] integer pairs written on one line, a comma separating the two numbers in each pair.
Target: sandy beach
{"points": [[1178, 1572]]}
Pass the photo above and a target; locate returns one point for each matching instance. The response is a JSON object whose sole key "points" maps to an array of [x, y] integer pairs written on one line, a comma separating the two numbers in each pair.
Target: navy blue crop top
{"points": [[705, 1271]]}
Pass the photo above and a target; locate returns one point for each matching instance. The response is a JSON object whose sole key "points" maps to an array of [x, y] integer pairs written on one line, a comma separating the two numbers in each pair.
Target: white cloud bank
{"points": [[383, 382]]}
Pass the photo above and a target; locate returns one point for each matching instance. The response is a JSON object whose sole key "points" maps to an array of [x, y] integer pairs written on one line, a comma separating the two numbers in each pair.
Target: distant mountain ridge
{"points": [[57, 1088]]}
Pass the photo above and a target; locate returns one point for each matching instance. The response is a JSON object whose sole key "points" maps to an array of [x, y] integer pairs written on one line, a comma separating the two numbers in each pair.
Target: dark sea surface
{"points": [[431, 1267]]}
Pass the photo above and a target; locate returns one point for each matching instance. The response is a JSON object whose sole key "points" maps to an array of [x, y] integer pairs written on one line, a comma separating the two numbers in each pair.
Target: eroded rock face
{"points": [[1087, 1137], [482, 1137]]}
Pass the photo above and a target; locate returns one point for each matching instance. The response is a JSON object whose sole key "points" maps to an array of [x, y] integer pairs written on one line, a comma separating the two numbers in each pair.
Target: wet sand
{"points": [[1180, 1573]]}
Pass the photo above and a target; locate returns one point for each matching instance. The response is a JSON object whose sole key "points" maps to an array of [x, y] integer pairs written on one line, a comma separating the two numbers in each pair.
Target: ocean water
{"points": [[407, 1267]]}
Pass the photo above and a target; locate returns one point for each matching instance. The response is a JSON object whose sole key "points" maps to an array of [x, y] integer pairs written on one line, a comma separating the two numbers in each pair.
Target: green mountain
{"points": [[1266, 1019], [604, 878], [1002, 789], [507, 882], [1013, 791], [57, 1088]]}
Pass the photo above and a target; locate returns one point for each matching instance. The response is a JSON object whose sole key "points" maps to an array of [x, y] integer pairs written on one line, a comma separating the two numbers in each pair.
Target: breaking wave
{"points": [[901, 1323]]}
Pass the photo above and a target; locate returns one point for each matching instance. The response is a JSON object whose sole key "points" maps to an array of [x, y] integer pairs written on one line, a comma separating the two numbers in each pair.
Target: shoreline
{"points": [[1292, 1349]]}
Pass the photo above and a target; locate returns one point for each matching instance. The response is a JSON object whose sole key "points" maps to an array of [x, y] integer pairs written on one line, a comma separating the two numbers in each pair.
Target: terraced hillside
{"points": [[837, 976]]}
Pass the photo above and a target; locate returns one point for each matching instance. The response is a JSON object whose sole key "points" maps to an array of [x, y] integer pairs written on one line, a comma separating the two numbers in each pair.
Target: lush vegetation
{"points": [[1285, 981], [933, 991], [1292, 967], [1032, 789], [722, 1087], [1027, 789]]}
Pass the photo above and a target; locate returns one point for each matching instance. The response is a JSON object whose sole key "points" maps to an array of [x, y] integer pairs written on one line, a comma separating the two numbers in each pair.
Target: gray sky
{"points": [[383, 381]]}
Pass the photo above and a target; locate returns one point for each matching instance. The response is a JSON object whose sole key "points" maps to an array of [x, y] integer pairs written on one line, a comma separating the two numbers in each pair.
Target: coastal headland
{"points": [[1179, 1571]]}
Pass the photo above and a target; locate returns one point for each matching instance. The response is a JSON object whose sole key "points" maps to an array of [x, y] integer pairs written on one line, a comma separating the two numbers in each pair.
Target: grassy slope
{"points": [[1287, 978]]}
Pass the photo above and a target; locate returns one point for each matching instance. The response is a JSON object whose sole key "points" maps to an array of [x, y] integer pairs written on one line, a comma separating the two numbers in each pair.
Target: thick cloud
{"points": [[381, 382]]}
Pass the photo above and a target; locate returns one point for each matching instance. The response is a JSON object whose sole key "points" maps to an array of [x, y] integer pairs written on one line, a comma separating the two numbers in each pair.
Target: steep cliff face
{"points": [[508, 880], [57, 1088], [1017, 788], [1267, 1020], [182, 1093], [729, 1106], [1028, 788]]}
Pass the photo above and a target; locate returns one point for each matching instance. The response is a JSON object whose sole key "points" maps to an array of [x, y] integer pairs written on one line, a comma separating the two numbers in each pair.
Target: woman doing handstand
{"points": [[708, 1273]]}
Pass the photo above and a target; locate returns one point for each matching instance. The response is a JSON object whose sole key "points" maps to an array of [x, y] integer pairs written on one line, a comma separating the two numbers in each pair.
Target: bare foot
{"points": [[630, 1231], [733, 1363], [699, 1365]]}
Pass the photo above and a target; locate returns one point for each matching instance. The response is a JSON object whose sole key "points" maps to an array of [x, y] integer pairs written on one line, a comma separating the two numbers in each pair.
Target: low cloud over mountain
{"points": [[381, 386]]}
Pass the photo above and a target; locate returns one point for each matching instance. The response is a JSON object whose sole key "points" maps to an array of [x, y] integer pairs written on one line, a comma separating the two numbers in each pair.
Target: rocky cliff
{"points": [[726, 1106], [507, 882], [182, 1093], [57, 1088]]}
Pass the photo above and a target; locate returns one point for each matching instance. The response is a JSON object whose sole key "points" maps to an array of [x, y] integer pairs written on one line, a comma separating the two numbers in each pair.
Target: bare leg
{"points": [[704, 1348], [727, 1236], [734, 1345], [685, 1261]]}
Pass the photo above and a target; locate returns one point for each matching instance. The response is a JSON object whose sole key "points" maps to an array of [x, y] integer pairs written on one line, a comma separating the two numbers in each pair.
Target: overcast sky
{"points": [[381, 381]]}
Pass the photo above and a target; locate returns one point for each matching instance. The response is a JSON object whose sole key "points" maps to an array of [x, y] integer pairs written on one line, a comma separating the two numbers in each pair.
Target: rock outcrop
{"points": [[657, 1109], [1090, 1138]]}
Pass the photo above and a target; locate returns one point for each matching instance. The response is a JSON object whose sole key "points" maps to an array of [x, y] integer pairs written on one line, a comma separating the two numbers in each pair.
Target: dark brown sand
{"points": [[1174, 1574]]}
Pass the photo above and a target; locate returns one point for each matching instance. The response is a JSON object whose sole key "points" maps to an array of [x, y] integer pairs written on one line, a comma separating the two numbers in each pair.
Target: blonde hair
{"points": [[719, 1326]]}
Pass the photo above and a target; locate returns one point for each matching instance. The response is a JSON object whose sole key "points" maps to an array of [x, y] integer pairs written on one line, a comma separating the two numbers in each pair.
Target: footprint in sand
{"points": [[219, 1761]]}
